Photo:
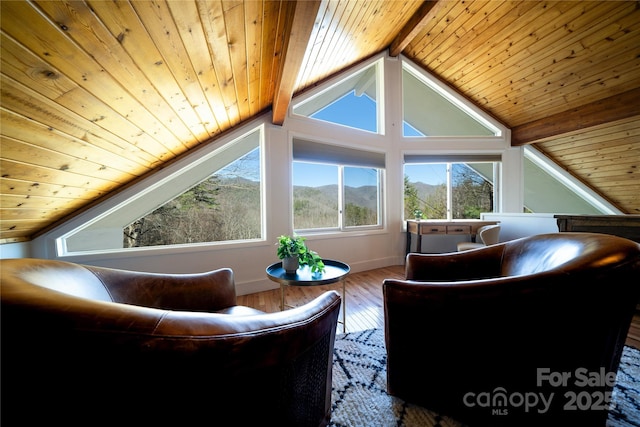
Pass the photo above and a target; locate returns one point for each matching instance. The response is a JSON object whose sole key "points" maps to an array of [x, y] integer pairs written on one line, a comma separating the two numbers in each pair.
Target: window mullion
{"points": [[449, 191], [341, 198]]}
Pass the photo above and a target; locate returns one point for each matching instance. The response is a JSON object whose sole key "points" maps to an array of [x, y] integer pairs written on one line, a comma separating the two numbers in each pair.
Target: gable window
{"points": [[450, 187], [549, 188], [429, 110], [217, 197], [336, 188], [355, 102], [225, 206]]}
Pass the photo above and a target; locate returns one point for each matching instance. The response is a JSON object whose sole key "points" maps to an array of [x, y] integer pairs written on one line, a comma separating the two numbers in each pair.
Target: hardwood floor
{"points": [[633, 337], [364, 300]]}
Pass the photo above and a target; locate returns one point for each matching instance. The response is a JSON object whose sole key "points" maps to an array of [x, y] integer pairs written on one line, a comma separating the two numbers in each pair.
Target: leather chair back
{"points": [[84, 345], [492, 317]]}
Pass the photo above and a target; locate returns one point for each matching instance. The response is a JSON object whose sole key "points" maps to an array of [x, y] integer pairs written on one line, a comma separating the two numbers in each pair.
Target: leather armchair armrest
{"points": [[222, 327], [209, 291], [478, 264], [212, 345]]}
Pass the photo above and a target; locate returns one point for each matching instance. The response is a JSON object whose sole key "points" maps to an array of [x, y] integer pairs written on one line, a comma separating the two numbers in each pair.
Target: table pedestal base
{"points": [[334, 271], [344, 303]]}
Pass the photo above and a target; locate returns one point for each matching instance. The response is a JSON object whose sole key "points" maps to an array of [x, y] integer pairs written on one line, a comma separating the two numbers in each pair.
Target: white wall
{"points": [[361, 250], [516, 225]]}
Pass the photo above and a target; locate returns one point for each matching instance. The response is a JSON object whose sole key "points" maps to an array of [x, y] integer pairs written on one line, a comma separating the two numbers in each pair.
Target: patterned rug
{"points": [[359, 397]]}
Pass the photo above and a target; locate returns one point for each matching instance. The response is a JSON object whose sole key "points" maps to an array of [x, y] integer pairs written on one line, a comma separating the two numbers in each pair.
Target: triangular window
{"points": [[354, 102], [549, 188], [429, 110], [216, 197]]}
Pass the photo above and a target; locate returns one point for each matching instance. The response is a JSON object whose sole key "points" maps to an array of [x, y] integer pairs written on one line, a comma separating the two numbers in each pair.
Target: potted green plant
{"points": [[293, 252]]}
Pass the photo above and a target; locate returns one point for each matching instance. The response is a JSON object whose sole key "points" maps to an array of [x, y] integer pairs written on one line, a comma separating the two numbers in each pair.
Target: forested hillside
{"points": [[214, 210], [317, 207], [221, 209], [229, 209]]}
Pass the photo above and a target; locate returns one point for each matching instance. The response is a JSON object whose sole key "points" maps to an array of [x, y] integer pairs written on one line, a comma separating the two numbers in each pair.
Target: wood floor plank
{"points": [[363, 299]]}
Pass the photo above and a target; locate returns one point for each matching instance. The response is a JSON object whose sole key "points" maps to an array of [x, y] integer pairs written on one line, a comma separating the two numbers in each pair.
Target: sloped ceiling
{"points": [[95, 94]]}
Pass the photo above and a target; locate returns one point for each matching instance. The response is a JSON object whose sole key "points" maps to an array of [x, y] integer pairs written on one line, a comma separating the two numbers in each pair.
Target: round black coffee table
{"points": [[335, 271]]}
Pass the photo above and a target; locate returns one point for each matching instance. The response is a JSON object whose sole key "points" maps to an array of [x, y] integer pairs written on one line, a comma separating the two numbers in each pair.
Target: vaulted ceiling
{"points": [[96, 94]]}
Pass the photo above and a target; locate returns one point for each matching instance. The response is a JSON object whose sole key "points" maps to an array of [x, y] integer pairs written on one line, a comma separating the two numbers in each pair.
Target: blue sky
{"points": [[354, 111], [315, 175], [433, 174]]}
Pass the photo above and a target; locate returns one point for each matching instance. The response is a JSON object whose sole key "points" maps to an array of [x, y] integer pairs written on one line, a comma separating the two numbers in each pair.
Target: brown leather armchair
{"points": [[84, 345], [475, 334]]}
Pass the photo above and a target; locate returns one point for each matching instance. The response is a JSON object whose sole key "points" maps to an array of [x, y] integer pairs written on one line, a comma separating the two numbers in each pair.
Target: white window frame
{"points": [[449, 161], [185, 169], [341, 202], [314, 96]]}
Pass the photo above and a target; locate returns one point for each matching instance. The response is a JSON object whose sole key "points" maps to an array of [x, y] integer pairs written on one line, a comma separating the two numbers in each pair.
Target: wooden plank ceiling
{"points": [[95, 94]]}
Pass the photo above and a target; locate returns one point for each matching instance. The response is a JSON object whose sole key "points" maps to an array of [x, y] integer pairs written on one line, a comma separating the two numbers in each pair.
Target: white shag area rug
{"points": [[359, 397]]}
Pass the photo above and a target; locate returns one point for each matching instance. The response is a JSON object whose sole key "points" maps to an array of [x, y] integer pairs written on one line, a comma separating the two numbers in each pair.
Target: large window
{"points": [[225, 206], [456, 189], [336, 187], [216, 197]]}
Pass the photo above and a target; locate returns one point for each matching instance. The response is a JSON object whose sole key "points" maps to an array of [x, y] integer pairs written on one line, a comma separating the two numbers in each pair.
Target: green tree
{"points": [[188, 218], [411, 200], [359, 215], [435, 204], [472, 194]]}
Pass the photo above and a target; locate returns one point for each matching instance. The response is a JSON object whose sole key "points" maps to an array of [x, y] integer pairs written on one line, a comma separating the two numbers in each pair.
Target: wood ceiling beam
{"points": [[412, 29], [607, 110], [295, 46]]}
